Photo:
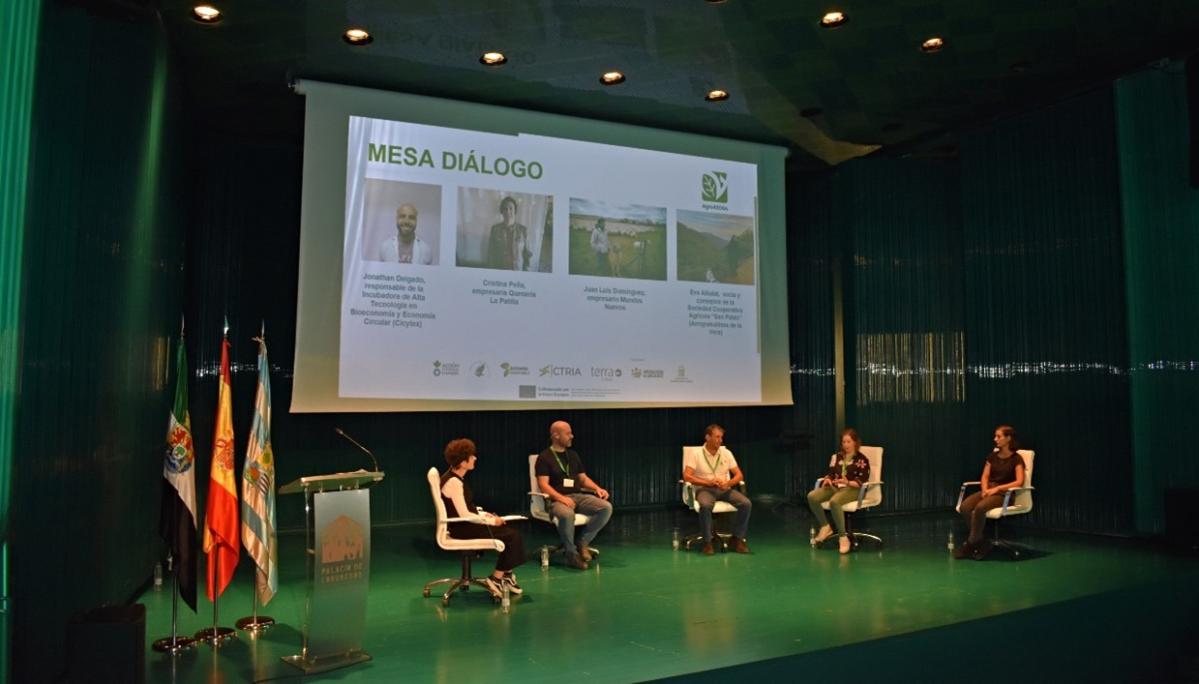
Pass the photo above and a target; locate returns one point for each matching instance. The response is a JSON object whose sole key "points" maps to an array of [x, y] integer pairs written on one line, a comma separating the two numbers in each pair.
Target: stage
{"points": [[1072, 606]]}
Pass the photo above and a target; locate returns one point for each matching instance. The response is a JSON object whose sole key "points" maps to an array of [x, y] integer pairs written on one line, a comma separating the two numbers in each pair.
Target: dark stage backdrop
{"points": [[982, 289], [1161, 235], [101, 296]]}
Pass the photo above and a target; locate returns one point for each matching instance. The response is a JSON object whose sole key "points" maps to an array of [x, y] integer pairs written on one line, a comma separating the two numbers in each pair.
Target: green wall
{"points": [[101, 295], [1161, 234]]}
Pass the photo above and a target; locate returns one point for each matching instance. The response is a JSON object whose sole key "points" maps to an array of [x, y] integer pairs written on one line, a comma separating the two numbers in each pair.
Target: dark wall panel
{"points": [[102, 293]]}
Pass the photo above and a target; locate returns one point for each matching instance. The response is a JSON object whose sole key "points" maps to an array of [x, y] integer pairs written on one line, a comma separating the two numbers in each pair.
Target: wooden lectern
{"points": [[337, 525]]}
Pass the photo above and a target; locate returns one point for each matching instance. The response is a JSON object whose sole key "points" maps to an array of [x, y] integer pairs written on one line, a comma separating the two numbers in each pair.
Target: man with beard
{"points": [[405, 247]]}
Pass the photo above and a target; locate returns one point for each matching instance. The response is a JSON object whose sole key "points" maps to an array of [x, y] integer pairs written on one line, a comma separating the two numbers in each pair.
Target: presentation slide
{"points": [[523, 268]]}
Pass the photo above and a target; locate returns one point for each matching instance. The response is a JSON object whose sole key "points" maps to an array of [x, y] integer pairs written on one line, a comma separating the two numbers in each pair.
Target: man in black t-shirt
{"points": [[563, 478]]}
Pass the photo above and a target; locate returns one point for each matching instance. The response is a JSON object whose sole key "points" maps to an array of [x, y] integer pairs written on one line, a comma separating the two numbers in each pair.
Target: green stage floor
{"points": [[644, 611]]}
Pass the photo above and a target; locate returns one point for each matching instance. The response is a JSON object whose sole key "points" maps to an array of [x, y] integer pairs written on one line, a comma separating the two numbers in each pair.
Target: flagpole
{"points": [[255, 623], [215, 636], [174, 644]]}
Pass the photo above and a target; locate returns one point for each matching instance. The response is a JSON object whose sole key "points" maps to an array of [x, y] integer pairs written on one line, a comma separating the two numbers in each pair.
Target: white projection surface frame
{"points": [[469, 257]]}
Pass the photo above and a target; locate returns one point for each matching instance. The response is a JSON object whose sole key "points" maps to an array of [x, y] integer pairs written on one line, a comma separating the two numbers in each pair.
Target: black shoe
{"points": [[509, 580], [982, 550], [575, 561]]}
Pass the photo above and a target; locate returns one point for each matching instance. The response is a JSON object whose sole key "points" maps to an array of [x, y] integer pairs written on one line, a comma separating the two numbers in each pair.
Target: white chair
{"points": [[540, 506], [467, 547], [1016, 501], [869, 494], [718, 508]]}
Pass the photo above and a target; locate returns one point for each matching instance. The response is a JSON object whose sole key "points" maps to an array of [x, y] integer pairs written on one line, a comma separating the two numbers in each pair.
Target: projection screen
{"points": [[467, 257]]}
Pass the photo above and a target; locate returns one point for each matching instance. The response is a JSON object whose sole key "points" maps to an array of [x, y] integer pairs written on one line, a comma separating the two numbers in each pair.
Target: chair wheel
{"points": [[445, 601], [427, 593]]}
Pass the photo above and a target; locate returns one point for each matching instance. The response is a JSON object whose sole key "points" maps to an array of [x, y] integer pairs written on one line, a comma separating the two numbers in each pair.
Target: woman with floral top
{"points": [[845, 478]]}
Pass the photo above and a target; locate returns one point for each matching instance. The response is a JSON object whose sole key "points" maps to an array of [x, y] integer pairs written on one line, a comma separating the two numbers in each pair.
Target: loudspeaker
{"points": [[107, 644], [1192, 79], [1182, 518]]}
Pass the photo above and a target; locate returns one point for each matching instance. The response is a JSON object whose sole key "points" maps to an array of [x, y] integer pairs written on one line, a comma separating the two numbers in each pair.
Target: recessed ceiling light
{"points": [[357, 36], [833, 19], [717, 95], [933, 44], [612, 78], [493, 58], [206, 14]]}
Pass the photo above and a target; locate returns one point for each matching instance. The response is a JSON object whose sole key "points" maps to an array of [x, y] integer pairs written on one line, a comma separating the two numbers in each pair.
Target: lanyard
{"points": [[560, 466], [711, 467]]}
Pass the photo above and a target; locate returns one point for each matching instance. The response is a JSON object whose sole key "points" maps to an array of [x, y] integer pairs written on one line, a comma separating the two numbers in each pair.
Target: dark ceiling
{"points": [[834, 93]]}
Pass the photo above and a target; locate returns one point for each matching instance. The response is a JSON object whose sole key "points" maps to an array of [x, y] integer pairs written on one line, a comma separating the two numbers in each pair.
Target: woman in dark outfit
{"points": [[1004, 470], [459, 503]]}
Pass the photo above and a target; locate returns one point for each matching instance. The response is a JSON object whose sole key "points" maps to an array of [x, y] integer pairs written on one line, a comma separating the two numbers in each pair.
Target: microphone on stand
{"points": [[355, 443]]}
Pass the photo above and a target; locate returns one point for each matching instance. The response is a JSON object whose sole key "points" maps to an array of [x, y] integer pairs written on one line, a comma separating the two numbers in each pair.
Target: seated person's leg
{"points": [[816, 497], [565, 516], [706, 500], [599, 512], [744, 507], [836, 503]]}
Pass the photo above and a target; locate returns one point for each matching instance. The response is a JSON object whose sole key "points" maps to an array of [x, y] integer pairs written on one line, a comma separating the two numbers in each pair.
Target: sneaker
{"points": [[575, 561], [586, 554], [708, 550], [981, 551], [510, 581], [740, 546], [493, 587]]}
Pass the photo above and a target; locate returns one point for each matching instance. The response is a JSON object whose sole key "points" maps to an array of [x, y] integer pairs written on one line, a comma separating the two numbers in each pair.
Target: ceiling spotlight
{"points": [[612, 78], [357, 36], [206, 14], [493, 59], [717, 95], [933, 44], [833, 19]]}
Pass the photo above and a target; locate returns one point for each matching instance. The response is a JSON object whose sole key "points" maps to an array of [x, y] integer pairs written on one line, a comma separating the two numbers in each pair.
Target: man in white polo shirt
{"points": [[714, 472]]}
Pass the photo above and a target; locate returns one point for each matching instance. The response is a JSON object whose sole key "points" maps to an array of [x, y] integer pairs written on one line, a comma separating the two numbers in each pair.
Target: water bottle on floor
{"points": [[506, 601], [949, 544], [674, 539], [157, 576], [545, 557], [812, 536]]}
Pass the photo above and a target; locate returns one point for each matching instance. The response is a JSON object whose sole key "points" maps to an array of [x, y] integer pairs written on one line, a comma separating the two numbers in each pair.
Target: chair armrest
{"points": [[962, 493], [514, 517], [541, 494], [469, 518]]}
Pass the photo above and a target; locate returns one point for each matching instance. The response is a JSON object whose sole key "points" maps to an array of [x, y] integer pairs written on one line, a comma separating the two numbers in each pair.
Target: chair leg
{"points": [[459, 583], [1012, 549], [857, 537]]}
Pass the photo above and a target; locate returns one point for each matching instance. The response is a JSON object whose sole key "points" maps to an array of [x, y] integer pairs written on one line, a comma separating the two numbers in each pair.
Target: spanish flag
{"points": [[221, 538]]}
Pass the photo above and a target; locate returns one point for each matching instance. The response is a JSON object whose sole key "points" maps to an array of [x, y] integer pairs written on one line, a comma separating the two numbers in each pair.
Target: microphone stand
{"points": [[355, 443]]}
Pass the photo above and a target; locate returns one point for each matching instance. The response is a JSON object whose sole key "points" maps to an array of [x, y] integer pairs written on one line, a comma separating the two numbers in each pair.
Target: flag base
{"points": [[215, 636], [312, 665], [255, 623], [174, 645]]}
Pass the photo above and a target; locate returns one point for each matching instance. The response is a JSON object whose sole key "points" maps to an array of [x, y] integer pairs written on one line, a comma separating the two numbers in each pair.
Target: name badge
{"points": [[568, 482]]}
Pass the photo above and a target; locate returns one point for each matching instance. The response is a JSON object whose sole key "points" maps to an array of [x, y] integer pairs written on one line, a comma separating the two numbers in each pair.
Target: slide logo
{"points": [[440, 369], [510, 369], [552, 370], [715, 187]]}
